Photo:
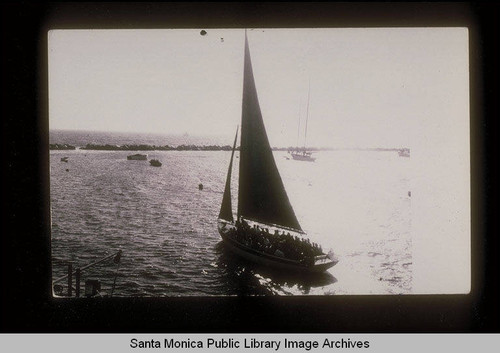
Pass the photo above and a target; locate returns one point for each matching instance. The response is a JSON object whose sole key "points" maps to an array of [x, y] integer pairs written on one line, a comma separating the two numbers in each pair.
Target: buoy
{"points": [[67, 170], [200, 186]]}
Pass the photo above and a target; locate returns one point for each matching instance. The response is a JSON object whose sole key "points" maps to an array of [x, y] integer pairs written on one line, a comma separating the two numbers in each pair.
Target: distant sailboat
{"points": [[404, 152], [303, 154], [266, 230]]}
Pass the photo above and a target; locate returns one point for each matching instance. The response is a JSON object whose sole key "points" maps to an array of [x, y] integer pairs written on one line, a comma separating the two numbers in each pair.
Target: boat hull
{"points": [[137, 157], [155, 163], [299, 157], [269, 260]]}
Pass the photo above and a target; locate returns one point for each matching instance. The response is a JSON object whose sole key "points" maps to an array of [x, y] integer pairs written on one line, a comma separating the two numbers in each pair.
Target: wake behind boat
{"points": [[266, 230]]}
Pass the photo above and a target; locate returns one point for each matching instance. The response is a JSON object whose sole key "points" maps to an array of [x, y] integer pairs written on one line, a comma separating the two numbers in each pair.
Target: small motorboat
{"points": [[155, 163]]}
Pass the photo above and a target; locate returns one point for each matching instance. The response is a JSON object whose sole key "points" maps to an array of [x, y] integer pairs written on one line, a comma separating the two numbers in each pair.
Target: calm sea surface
{"points": [[355, 202]]}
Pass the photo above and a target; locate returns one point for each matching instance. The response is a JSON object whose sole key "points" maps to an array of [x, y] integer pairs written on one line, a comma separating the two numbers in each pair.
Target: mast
{"points": [[298, 129], [226, 209], [307, 114], [261, 194]]}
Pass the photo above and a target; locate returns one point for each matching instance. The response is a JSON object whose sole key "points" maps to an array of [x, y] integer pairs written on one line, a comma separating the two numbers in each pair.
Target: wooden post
{"points": [[77, 281], [70, 280]]}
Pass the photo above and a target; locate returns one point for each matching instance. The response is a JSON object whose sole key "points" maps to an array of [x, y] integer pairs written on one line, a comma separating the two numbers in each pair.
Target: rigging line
{"points": [[114, 280], [90, 265]]}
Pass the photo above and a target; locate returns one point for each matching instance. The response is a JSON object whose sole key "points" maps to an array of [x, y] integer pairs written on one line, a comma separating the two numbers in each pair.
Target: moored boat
{"points": [[155, 163], [404, 152], [137, 157], [266, 230], [303, 156]]}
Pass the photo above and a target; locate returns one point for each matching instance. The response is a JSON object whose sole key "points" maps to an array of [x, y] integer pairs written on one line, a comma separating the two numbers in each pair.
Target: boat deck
{"points": [[321, 262]]}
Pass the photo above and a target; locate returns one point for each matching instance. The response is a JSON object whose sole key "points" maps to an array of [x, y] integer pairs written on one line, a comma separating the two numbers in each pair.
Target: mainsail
{"points": [[261, 195], [226, 210]]}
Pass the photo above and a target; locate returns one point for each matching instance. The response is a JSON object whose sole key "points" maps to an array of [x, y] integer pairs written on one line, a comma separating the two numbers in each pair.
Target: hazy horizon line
{"points": [[136, 132]]}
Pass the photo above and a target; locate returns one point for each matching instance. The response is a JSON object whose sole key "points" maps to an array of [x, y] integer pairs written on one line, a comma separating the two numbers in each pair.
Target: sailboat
{"points": [[266, 230], [303, 154]]}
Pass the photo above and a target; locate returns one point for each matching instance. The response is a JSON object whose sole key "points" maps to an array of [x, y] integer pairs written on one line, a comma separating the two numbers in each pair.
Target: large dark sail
{"points": [[261, 196], [226, 209]]}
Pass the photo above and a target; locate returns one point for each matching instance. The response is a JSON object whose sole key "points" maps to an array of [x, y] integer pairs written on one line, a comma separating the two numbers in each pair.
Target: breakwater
{"points": [[144, 147], [63, 146], [108, 147]]}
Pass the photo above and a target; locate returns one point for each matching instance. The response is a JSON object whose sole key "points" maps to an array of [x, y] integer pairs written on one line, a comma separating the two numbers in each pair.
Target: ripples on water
{"points": [[354, 202]]}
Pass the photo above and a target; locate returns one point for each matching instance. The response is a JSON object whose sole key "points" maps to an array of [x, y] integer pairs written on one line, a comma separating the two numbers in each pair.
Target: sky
{"points": [[366, 87]]}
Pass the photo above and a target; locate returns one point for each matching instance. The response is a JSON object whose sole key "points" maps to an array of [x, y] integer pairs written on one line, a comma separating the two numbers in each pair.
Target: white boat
{"points": [[266, 229], [302, 155], [404, 152], [137, 157]]}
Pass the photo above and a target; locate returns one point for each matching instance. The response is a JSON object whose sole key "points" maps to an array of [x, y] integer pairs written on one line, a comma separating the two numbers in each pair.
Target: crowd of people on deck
{"points": [[279, 243]]}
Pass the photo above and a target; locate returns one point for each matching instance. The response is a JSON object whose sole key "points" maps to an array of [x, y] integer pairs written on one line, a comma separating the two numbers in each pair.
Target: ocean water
{"points": [[354, 202]]}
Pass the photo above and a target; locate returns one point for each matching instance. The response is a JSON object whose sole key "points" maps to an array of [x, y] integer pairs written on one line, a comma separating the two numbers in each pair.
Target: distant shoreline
{"points": [[108, 147]]}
